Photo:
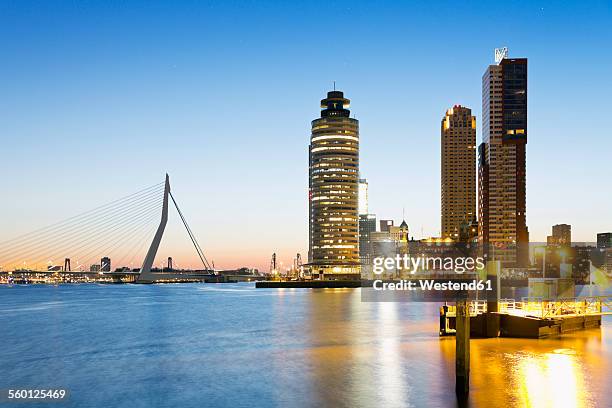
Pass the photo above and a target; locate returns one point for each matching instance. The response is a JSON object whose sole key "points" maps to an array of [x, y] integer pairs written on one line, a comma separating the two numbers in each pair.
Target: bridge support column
{"points": [[462, 349], [145, 271]]}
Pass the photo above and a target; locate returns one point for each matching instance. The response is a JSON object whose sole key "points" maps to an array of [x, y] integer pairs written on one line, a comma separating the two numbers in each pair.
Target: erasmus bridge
{"points": [[119, 231]]}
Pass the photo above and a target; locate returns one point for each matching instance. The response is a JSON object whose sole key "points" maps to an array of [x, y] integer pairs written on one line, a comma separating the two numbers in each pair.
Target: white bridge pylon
{"points": [[145, 271], [146, 275]]}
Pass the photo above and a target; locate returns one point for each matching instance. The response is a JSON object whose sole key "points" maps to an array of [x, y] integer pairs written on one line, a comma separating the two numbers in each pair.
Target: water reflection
{"points": [[389, 354], [233, 345], [393, 386], [571, 371], [550, 380]]}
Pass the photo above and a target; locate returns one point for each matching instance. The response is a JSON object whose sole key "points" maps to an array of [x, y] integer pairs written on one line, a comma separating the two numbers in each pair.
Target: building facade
{"points": [[458, 172], [334, 191], [363, 197], [105, 264], [582, 263], [385, 225], [502, 228], [604, 240], [561, 235], [367, 225], [608, 260]]}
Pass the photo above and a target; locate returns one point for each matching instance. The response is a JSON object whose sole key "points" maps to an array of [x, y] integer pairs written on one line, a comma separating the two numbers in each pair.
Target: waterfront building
{"points": [[561, 235], [363, 197], [334, 191], [608, 260], [458, 172], [399, 234], [390, 242], [502, 227], [383, 246], [385, 225], [582, 263], [557, 255], [105, 264], [468, 232], [367, 225], [604, 240]]}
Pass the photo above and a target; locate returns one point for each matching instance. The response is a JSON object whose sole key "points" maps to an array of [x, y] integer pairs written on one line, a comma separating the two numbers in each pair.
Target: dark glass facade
{"points": [[514, 99]]}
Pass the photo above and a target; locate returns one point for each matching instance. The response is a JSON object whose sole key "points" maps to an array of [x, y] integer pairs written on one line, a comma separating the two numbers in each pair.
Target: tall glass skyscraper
{"points": [[502, 163], [334, 191]]}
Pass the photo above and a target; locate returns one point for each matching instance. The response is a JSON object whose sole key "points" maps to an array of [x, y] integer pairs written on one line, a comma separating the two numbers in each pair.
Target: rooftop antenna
{"points": [[403, 213], [334, 85]]}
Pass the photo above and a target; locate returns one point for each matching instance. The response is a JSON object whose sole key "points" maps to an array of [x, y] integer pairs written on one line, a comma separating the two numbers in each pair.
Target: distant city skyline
{"points": [[102, 99]]}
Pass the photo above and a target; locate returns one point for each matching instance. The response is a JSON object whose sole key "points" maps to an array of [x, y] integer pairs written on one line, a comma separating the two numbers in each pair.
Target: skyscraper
{"points": [[333, 191], [502, 168], [458, 173]]}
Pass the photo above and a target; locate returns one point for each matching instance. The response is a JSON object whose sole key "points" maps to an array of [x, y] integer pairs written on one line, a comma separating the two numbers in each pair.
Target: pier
{"points": [[528, 318]]}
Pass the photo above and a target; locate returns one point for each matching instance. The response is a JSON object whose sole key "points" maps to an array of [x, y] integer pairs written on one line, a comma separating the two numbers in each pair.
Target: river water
{"points": [[231, 345]]}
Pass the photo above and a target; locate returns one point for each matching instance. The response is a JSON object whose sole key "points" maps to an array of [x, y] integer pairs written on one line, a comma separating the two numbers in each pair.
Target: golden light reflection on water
{"points": [[551, 380], [569, 371], [345, 352]]}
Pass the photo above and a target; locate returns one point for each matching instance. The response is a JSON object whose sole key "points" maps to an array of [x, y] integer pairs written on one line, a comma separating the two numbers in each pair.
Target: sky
{"points": [[101, 99]]}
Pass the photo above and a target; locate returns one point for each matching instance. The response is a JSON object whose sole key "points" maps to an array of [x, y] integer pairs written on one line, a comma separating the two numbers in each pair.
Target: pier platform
{"points": [[529, 319]]}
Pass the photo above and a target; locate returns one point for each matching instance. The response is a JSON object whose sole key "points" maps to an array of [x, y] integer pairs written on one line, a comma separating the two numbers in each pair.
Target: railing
{"points": [[548, 308], [475, 308], [543, 308]]}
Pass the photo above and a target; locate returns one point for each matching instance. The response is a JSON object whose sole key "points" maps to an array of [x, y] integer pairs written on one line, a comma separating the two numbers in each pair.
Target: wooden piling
{"points": [[462, 348]]}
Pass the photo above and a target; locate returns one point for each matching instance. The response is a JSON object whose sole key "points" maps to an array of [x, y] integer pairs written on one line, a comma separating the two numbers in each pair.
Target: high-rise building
{"points": [[367, 225], [502, 226], [458, 173], [604, 240], [334, 191], [105, 264], [363, 197], [561, 235]]}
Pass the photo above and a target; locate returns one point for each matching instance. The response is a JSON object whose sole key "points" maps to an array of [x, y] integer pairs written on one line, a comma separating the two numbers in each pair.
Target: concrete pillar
{"points": [[462, 349]]}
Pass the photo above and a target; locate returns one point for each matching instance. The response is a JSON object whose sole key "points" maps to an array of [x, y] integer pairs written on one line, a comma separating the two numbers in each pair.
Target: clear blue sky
{"points": [[99, 99]]}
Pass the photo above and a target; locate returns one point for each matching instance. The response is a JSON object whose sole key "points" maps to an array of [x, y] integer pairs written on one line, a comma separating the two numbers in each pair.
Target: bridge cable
{"points": [[192, 236]]}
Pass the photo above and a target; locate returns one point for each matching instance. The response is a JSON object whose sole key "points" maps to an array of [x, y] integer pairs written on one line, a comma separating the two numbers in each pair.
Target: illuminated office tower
{"points": [[458, 173], [502, 228], [334, 191]]}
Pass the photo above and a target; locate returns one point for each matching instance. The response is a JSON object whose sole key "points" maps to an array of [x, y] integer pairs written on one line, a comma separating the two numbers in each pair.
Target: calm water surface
{"points": [[233, 345]]}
